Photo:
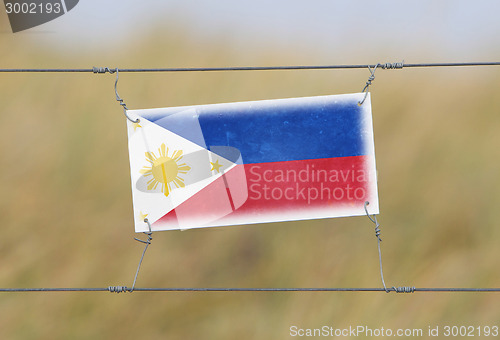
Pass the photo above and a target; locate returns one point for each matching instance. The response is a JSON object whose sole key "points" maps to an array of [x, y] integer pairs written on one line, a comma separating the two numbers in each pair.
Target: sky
{"points": [[425, 30]]}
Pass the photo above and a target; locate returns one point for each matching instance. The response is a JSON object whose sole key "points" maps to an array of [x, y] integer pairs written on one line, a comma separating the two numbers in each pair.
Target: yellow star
{"points": [[216, 166], [142, 216], [136, 125]]}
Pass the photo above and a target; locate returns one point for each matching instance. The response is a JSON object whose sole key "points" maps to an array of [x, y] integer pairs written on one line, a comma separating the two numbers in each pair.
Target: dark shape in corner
{"points": [[25, 15]]}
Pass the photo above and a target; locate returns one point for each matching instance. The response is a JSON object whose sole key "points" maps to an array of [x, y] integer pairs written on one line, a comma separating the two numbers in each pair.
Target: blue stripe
{"points": [[274, 131]]}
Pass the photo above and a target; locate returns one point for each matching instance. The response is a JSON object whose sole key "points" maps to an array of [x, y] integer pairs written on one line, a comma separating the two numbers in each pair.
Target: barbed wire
{"points": [[397, 65]]}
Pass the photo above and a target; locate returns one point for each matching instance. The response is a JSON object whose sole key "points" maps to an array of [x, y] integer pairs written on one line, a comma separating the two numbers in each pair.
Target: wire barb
{"points": [[102, 70], [118, 289], [404, 289], [393, 66]]}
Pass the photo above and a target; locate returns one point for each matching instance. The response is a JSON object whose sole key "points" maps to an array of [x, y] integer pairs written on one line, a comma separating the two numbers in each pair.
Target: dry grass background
{"points": [[66, 217]]}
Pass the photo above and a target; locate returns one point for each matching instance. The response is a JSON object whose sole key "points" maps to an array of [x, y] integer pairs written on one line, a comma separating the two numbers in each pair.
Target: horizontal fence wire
{"points": [[399, 65], [120, 289]]}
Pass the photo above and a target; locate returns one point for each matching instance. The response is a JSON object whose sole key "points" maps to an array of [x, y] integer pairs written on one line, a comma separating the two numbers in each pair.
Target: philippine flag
{"points": [[252, 162]]}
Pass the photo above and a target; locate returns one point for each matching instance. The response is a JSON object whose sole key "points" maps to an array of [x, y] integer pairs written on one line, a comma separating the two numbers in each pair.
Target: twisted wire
{"points": [[147, 243], [118, 98], [368, 83], [379, 239], [377, 234]]}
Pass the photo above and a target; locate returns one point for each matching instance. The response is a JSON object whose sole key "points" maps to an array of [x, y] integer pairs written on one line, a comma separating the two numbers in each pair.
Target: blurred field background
{"points": [[66, 208]]}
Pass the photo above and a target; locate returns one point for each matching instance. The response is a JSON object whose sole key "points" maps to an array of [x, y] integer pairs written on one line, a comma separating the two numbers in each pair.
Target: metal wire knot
{"points": [[103, 70], [117, 289], [392, 66], [404, 289]]}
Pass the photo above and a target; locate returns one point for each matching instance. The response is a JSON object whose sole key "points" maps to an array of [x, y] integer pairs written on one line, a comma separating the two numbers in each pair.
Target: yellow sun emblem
{"points": [[165, 169]]}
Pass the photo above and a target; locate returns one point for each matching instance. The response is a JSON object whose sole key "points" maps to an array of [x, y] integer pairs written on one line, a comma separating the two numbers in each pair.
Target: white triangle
{"points": [[149, 137]]}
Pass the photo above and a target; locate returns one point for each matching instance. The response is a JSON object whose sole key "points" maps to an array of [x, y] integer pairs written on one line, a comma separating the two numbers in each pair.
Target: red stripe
{"points": [[252, 191]]}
